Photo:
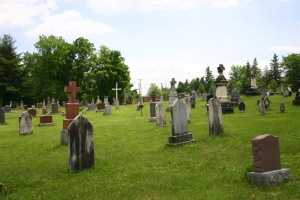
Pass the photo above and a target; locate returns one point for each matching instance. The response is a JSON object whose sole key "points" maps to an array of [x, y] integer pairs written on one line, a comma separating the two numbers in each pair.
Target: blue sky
{"points": [[163, 39]]}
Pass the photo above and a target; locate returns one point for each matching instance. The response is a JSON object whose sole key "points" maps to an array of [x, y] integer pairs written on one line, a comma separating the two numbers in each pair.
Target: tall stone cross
{"points": [[72, 89], [117, 90]]}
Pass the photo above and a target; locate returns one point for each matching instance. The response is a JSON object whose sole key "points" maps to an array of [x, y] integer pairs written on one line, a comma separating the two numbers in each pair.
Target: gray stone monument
{"points": [[160, 114], [266, 161], [7, 108], [282, 108], [81, 144], [107, 110], [2, 116], [180, 133], [25, 124], [215, 117], [235, 96], [92, 107], [117, 104], [54, 108], [152, 108], [173, 94]]}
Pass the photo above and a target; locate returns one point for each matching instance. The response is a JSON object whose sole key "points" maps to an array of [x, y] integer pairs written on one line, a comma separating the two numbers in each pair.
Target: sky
{"points": [[163, 39]]}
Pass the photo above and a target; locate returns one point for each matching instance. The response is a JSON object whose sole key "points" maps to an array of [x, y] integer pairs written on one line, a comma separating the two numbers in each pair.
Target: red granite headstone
{"points": [[100, 106], [46, 120], [32, 112], [266, 153]]}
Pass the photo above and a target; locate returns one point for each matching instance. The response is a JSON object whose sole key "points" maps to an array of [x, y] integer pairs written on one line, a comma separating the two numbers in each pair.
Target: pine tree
{"points": [[275, 69]]}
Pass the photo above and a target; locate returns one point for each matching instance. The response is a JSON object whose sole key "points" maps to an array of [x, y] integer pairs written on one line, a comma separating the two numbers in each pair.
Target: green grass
{"points": [[132, 160]]}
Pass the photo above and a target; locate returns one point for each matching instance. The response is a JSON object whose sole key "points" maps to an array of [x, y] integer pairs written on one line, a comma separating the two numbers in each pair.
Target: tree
{"points": [[11, 71], [180, 87], [275, 69], [153, 88], [273, 85], [291, 66], [209, 80]]}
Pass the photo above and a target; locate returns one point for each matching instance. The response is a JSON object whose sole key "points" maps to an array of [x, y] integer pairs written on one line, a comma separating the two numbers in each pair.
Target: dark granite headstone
{"points": [[81, 144], [25, 124], [46, 120], [7, 108], [160, 114], [266, 153], [180, 133], [241, 106], [152, 112], [282, 108], [2, 116], [54, 108], [215, 117]]}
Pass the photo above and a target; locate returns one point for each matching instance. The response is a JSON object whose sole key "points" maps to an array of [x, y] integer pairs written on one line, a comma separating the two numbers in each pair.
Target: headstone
{"points": [[193, 99], [215, 117], [100, 107], [173, 94], [160, 114], [266, 161], [25, 124], [252, 91], [52, 100], [39, 105], [188, 107], [282, 108], [98, 99], [105, 100], [180, 133], [81, 144], [93, 102], [22, 105], [2, 116], [58, 103], [32, 112], [7, 108], [117, 100], [107, 110], [10, 103], [92, 107], [285, 92], [152, 112], [241, 106], [262, 107], [54, 108], [44, 104], [235, 96], [72, 110], [46, 120], [297, 97], [44, 111]]}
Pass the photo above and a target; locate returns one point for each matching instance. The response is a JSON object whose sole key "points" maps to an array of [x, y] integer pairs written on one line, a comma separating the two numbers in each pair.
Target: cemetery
{"points": [[124, 156]]}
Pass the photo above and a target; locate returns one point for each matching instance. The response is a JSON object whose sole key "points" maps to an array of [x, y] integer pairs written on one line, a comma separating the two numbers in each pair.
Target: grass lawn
{"points": [[132, 160]]}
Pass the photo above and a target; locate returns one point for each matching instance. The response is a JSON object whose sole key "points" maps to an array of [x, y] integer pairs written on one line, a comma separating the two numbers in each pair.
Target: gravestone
{"points": [[32, 112], [152, 112], [44, 111], [252, 91], [39, 105], [25, 124], [173, 94], [215, 117], [262, 107], [266, 161], [285, 92], [107, 110], [187, 102], [46, 120], [2, 116], [72, 110], [54, 108], [193, 99], [180, 133], [117, 100], [160, 114], [98, 99], [92, 107], [235, 96], [105, 100], [297, 97], [101, 107], [282, 108], [81, 144], [7, 108], [241, 106]]}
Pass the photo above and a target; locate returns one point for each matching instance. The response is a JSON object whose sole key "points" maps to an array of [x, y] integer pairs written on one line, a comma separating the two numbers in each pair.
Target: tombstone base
{"points": [[180, 139], [252, 92], [46, 124], [227, 107], [152, 119], [64, 137], [269, 178], [102, 110]]}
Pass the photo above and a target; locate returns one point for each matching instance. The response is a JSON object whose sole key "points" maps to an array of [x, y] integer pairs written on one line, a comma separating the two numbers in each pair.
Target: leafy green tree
{"points": [[11, 71], [180, 87], [291, 66], [275, 69], [153, 88], [273, 85], [188, 89], [201, 89]]}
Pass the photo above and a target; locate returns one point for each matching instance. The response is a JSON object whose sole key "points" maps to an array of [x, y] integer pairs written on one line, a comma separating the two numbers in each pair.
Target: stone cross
{"points": [[117, 90], [72, 89]]}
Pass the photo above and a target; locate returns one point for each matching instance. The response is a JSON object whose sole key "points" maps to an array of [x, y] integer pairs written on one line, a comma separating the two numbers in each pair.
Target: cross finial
{"points": [[72, 89]]}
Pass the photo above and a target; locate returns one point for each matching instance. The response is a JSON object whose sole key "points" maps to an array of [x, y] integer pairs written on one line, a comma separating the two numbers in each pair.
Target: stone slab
{"points": [[269, 178]]}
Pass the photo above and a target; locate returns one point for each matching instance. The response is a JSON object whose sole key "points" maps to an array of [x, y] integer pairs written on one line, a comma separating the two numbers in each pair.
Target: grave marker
{"points": [[25, 124], [117, 100], [46, 120], [2, 116], [160, 114], [215, 117]]}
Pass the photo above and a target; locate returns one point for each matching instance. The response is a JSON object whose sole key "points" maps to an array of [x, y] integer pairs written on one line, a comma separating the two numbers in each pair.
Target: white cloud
{"points": [[15, 13], [292, 49], [69, 24], [115, 6]]}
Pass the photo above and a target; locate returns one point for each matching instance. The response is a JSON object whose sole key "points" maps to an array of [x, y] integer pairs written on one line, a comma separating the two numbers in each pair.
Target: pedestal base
{"points": [[45, 124], [181, 139], [64, 137], [269, 178], [227, 107], [296, 101], [152, 119]]}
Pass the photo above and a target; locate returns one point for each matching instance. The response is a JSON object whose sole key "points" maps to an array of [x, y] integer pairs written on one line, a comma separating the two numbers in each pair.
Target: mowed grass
{"points": [[132, 160]]}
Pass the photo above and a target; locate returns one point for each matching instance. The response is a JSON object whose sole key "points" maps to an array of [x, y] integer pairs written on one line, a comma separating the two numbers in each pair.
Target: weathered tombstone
{"points": [[215, 117], [235, 96], [2, 116], [152, 117], [72, 110], [117, 100], [25, 124], [282, 108], [101, 107], [107, 110], [266, 161], [241, 106], [193, 99], [46, 120], [262, 107], [160, 114], [54, 108], [92, 107], [188, 107], [81, 144], [32, 112], [180, 133], [297, 97], [285, 92], [173, 94], [253, 91], [7, 108], [22, 105]]}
